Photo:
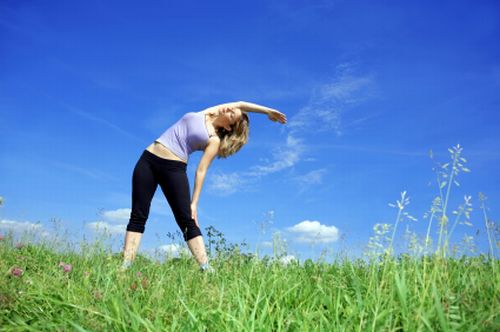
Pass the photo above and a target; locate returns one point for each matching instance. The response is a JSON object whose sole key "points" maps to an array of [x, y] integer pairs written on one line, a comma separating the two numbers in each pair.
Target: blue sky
{"points": [[368, 88]]}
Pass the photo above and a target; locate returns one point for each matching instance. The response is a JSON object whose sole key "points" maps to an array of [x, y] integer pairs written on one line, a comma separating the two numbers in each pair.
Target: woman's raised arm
{"points": [[273, 115]]}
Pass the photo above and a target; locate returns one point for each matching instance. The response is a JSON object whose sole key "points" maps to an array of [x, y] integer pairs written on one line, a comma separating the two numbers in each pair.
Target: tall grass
{"points": [[429, 289]]}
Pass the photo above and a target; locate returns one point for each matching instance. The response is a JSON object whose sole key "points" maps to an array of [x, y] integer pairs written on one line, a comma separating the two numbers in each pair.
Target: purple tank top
{"points": [[186, 135]]}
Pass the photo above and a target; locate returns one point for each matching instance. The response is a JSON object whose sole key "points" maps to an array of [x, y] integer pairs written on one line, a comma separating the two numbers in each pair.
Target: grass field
{"points": [[42, 290]]}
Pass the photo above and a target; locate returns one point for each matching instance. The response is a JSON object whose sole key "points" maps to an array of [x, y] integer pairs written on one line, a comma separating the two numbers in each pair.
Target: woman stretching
{"points": [[219, 131]]}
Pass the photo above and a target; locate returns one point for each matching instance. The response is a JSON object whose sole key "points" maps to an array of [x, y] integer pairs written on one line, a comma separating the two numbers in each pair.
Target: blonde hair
{"points": [[232, 141]]}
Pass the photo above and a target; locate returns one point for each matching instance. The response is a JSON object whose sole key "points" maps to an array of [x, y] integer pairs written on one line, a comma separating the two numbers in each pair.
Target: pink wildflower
{"points": [[139, 274], [19, 245], [66, 267], [17, 272], [1, 237]]}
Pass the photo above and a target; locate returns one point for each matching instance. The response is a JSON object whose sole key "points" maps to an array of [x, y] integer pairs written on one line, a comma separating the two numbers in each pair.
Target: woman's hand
{"points": [[275, 115], [194, 214]]}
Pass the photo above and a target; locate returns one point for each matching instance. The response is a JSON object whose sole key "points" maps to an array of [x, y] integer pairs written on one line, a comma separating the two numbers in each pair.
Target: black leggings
{"points": [[150, 171]]}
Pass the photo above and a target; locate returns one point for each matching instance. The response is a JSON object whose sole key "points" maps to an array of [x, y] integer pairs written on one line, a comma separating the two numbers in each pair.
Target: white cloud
{"points": [[314, 232], [102, 226], [288, 259], [173, 250], [118, 215], [115, 221], [19, 226]]}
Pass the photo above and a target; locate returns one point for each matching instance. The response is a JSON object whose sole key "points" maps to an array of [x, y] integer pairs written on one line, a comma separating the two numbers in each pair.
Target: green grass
{"points": [[403, 293]]}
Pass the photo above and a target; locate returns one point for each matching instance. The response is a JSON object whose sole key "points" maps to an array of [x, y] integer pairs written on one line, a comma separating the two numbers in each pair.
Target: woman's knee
{"points": [[137, 221], [189, 229], [135, 227]]}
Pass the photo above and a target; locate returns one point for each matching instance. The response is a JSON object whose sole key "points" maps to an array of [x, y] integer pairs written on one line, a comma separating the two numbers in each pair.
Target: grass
{"points": [[43, 288], [429, 293]]}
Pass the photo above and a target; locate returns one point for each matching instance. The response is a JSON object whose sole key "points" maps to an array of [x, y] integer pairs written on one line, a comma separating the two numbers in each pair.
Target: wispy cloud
{"points": [[104, 227], [314, 232], [100, 121], [94, 174], [225, 183], [19, 226], [330, 101], [314, 177], [284, 157]]}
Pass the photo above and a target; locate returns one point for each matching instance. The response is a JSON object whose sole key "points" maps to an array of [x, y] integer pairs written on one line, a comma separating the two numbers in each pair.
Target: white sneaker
{"points": [[206, 268], [125, 265]]}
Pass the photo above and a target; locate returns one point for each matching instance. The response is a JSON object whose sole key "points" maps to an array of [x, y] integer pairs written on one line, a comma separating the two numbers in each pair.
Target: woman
{"points": [[219, 131]]}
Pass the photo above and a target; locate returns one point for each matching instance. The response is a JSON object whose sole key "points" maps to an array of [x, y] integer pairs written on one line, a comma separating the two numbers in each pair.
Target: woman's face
{"points": [[229, 116]]}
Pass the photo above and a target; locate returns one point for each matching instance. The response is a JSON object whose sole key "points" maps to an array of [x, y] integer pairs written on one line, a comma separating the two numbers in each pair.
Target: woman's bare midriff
{"points": [[162, 151]]}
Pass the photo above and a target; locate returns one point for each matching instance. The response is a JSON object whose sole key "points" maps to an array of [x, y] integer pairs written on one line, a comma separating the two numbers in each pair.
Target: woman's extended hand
{"points": [[194, 214], [275, 115]]}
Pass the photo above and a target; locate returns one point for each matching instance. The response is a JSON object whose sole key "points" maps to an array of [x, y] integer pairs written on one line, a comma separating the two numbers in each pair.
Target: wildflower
{"points": [[144, 282], [66, 267], [139, 274], [19, 245], [97, 294], [16, 271], [1, 237]]}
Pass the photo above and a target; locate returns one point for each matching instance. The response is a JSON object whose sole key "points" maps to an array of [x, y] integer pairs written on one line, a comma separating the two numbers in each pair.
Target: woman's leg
{"points": [[132, 242], [197, 248], [175, 186], [144, 185]]}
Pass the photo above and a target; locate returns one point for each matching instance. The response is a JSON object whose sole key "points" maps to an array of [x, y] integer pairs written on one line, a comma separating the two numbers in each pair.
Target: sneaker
{"points": [[125, 266], [206, 268]]}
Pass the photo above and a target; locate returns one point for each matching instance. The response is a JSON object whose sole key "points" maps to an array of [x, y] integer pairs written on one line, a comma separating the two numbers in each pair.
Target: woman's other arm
{"points": [[209, 154]]}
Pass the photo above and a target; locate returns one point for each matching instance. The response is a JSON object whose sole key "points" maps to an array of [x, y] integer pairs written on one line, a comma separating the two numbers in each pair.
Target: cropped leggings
{"points": [[151, 171]]}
